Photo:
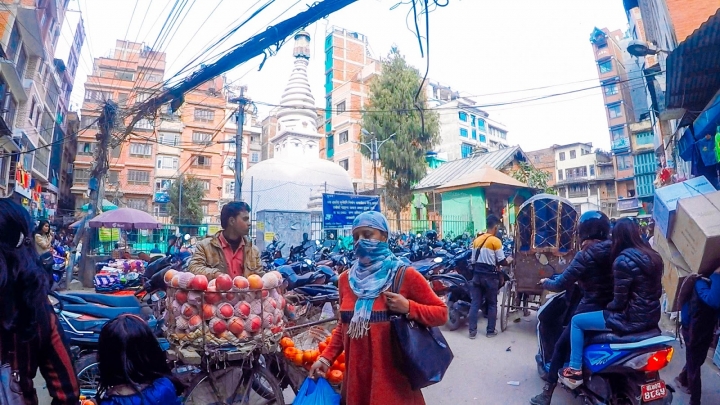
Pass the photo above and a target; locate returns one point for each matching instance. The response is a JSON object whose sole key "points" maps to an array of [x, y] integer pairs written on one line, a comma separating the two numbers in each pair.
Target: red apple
{"points": [[188, 311], [223, 282], [218, 326], [242, 309], [225, 311], [264, 294], [241, 283], [213, 298], [194, 322], [253, 324], [199, 282], [181, 296], [209, 311], [236, 326]]}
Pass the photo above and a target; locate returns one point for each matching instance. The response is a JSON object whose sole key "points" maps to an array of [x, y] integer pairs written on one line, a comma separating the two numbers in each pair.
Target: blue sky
{"points": [[478, 47]]}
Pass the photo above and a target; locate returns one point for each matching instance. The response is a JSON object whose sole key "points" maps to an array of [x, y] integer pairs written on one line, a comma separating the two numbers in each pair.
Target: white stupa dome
{"points": [[291, 179]]}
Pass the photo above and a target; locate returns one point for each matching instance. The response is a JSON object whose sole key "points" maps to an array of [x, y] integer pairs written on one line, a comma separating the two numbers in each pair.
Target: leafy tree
{"points": [[393, 109], [533, 177], [193, 192]]}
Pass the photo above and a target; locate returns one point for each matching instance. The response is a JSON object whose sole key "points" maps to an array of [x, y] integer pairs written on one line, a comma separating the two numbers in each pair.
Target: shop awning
{"points": [[693, 70]]}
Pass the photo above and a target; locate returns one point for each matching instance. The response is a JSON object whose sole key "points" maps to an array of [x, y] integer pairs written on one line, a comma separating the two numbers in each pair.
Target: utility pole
{"points": [[374, 148], [106, 123], [240, 120]]}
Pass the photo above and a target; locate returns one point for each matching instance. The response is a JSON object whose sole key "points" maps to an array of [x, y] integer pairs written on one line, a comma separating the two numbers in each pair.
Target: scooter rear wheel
{"points": [[454, 321]]}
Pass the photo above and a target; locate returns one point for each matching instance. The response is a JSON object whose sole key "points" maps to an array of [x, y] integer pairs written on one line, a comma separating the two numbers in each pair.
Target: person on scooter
{"points": [[487, 255], [637, 271], [591, 269], [699, 317]]}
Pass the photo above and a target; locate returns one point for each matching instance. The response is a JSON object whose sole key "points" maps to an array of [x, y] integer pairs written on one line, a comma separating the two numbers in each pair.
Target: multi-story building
{"points": [[34, 87], [627, 115], [186, 142], [544, 160], [585, 177], [465, 129], [349, 68]]}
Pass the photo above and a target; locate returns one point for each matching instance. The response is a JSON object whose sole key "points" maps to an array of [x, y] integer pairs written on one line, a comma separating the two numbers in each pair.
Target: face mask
{"points": [[369, 247]]}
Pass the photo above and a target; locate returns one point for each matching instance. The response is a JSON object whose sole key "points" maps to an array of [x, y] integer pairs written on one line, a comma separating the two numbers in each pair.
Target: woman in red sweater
{"points": [[371, 376]]}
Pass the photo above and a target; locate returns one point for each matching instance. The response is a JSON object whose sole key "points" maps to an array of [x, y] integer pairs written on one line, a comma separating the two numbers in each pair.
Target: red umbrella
{"points": [[125, 218]]}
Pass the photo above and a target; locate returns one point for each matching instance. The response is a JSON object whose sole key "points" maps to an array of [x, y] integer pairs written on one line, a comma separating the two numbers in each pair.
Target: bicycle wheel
{"points": [[88, 374], [236, 386]]}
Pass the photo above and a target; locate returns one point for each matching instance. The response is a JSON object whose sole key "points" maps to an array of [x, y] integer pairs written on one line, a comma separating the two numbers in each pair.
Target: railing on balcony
{"points": [[620, 144], [577, 194]]}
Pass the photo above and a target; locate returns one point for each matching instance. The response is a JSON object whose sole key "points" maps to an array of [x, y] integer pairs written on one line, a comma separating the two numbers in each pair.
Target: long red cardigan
{"points": [[371, 377]]}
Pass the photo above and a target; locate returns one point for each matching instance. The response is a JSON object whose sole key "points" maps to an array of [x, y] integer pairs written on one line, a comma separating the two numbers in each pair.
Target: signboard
{"points": [[628, 204], [162, 190], [340, 210]]}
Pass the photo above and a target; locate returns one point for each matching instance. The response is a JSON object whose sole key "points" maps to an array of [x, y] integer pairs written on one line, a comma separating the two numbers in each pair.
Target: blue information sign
{"points": [[340, 210]]}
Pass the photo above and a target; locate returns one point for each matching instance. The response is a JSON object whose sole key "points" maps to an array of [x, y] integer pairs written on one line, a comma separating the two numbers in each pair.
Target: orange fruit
{"points": [[341, 367], [322, 346], [335, 376], [255, 281], [341, 358], [286, 342], [309, 356], [290, 352], [298, 359]]}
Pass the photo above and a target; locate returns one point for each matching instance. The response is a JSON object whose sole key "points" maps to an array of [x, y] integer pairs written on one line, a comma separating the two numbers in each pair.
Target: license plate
{"points": [[653, 391]]}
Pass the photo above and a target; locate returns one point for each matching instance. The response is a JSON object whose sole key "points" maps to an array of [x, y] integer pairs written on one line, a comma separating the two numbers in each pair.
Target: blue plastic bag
{"points": [[318, 392]]}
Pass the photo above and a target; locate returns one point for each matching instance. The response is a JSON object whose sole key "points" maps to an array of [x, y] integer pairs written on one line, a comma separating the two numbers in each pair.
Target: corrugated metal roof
{"points": [[481, 178], [693, 68], [452, 170]]}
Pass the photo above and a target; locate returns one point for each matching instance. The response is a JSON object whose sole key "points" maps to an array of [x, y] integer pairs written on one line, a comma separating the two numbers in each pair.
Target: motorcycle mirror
{"points": [[187, 236], [543, 259], [438, 260]]}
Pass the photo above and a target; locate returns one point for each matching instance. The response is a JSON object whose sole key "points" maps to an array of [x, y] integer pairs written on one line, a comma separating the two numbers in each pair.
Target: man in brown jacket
{"points": [[229, 251]]}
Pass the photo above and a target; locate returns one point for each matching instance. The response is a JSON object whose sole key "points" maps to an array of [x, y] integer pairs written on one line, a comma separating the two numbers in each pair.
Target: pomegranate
{"points": [[225, 311], [223, 282]]}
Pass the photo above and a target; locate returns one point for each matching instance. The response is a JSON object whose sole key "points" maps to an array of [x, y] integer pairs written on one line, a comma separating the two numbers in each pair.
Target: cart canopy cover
{"points": [[546, 222]]}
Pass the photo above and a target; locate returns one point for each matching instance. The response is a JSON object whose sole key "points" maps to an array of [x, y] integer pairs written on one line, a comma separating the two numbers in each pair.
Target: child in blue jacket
{"points": [[699, 318], [133, 368]]}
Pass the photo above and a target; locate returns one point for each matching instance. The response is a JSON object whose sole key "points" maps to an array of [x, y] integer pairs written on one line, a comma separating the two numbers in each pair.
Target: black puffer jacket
{"points": [[592, 270], [636, 306]]}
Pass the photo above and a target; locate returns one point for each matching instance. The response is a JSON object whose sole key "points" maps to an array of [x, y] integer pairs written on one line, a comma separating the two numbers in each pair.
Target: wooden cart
{"points": [[545, 244]]}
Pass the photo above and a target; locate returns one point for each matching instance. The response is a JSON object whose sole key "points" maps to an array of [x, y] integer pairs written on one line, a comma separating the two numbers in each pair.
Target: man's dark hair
{"points": [[231, 210], [492, 221]]}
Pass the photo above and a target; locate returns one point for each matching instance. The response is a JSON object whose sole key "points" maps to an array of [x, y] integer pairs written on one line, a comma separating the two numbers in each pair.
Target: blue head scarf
{"points": [[372, 272]]}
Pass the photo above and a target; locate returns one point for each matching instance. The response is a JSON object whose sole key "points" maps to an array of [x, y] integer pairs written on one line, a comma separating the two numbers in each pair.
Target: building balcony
{"points": [[620, 145], [577, 194], [13, 79]]}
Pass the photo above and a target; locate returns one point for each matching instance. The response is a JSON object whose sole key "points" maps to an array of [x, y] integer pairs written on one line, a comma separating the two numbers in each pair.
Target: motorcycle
{"points": [[616, 369]]}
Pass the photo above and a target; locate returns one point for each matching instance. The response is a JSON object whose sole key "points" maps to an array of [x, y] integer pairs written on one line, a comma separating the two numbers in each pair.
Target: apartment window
{"points": [[137, 203], [13, 45], [160, 210], [81, 176], [463, 132], [624, 162], [560, 175], [205, 184], [230, 163], [86, 148], [202, 161], [144, 124], [162, 184], [340, 108], [592, 170], [140, 97], [140, 149], [167, 162], [481, 124], [202, 138], [254, 139], [21, 64], [169, 139], [631, 193], [474, 133], [602, 45], [610, 89], [573, 155], [578, 190], [88, 122], [204, 208], [254, 157], [617, 133], [576, 172], [472, 120], [202, 114], [466, 150], [343, 137], [605, 66], [128, 76], [584, 152], [230, 187], [138, 177], [463, 116], [113, 177], [562, 156], [614, 110], [345, 164], [482, 138]]}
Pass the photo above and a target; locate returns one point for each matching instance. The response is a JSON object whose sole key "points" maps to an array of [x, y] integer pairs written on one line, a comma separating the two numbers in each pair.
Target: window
{"points": [[578, 190], [576, 172], [137, 204], [81, 176], [160, 210], [560, 175], [463, 132], [610, 89], [128, 76], [254, 157], [593, 190], [202, 114], [88, 122], [573, 155], [167, 162], [13, 45], [169, 139], [631, 192], [605, 66], [140, 97], [140, 149], [483, 138], [205, 184], [584, 152], [230, 187], [202, 138], [343, 137], [345, 164], [614, 111], [86, 148], [472, 120], [230, 163], [202, 161], [122, 98], [4, 162], [474, 133], [144, 124], [116, 151], [138, 177], [617, 133], [562, 156], [340, 108], [204, 208], [113, 177], [592, 170], [601, 45], [254, 139], [463, 116], [466, 150], [624, 162], [481, 124], [21, 64]]}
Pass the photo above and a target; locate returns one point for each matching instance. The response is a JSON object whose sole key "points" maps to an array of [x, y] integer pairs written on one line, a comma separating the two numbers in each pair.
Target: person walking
{"points": [[372, 375], [31, 338], [699, 319], [487, 254], [43, 238]]}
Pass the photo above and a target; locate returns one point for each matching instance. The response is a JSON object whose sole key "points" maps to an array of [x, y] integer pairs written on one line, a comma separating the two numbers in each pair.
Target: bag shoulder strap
{"points": [[477, 251], [399, 277]]}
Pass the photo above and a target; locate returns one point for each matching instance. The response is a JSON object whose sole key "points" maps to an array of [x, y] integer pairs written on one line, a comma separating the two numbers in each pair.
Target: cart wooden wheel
{"points": [[508, 301]]}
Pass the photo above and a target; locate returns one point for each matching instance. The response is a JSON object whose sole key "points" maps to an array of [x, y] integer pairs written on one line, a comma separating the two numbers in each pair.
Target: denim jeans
{"points": [[483, 286], [580, 323]]}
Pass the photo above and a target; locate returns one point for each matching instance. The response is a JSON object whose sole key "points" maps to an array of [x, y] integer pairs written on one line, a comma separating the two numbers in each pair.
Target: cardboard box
{"points": [[669, 251], [666, 199], [672, 279], [696, 232]]}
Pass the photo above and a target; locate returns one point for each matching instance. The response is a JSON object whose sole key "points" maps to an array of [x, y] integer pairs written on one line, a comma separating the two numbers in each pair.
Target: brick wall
{"points": [[687, 15]]}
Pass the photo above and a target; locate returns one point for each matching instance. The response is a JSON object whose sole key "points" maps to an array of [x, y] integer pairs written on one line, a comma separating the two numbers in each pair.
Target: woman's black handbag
{"points": [[423, 353]]}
